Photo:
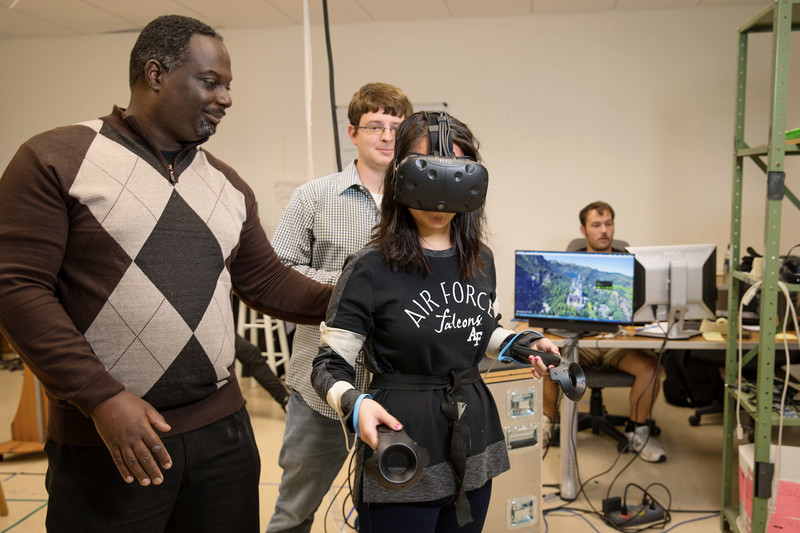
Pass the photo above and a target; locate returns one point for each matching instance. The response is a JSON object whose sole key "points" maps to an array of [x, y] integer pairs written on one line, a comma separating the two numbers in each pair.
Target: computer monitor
{"points": [[574, 291], [674, 283]]}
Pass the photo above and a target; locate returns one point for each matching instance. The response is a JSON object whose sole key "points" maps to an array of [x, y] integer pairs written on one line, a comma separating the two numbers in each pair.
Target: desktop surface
{"points": [[627, 339]]}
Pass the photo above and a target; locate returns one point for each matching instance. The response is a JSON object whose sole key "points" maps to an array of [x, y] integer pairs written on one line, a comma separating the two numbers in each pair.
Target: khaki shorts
{"points": [[596, 357]]}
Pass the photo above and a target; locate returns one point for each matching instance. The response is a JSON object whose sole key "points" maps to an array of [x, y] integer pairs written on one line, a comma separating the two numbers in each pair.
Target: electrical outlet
{"points": [[636, 515]]}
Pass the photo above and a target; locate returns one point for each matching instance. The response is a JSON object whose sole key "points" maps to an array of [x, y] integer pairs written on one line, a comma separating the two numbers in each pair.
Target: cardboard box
{"points": [[786, 503]]}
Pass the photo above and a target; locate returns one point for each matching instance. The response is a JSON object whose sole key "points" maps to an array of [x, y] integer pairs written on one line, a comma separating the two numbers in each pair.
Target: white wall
{"points": [[632, 107]]}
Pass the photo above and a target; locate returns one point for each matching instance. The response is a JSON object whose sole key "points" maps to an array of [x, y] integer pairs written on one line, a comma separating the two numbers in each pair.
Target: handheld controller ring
{"points": [[568, 374], [397, 462]]}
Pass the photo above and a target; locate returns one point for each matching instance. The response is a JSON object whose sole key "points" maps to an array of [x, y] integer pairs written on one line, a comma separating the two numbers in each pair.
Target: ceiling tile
{"points": [[733, 2], [572, 6], [58, 18], [74, 15], [140, 12], [655, 4], [405, 10], [15, 23], [339, 11], [246, 14], [479, 8]]}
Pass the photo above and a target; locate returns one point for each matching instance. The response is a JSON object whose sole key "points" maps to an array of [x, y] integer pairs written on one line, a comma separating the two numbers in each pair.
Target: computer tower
{"points": [[516, 494]]}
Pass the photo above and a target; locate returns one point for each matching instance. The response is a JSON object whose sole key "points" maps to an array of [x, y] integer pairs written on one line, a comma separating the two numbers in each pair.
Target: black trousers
{"points": [[424, 517], [211, 487]]}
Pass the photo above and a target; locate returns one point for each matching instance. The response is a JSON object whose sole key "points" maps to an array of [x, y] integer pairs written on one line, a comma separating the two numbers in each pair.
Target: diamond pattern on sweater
{"points": [[189, 377], [166, 330], [219, 348], [180, 232], [119, 188], [138, 342], [216, 202]]}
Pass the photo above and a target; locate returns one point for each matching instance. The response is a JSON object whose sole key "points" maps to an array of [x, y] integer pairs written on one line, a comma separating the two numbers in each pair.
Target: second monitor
{"points": [[673, 284]]}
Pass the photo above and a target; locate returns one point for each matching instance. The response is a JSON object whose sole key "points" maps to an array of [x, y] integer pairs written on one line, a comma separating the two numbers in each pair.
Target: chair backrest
{"points": [[579, 244]]}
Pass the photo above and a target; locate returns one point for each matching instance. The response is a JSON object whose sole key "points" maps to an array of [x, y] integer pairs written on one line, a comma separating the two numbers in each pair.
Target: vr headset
{"points": [[440, 181]]}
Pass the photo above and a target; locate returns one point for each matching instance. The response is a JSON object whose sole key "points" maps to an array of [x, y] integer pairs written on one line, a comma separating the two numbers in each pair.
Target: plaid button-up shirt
{"points": [[325, 221]]}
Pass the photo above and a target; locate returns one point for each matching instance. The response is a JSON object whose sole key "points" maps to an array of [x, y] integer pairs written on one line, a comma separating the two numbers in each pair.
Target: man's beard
{"points": [[206, 129]]}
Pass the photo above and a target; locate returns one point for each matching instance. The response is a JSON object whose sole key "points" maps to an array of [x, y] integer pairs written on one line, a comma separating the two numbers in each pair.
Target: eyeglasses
{"points": [[378, 129]]}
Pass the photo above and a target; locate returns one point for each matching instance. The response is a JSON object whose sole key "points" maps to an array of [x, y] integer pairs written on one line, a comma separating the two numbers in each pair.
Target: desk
{"points": [[569, 410]]}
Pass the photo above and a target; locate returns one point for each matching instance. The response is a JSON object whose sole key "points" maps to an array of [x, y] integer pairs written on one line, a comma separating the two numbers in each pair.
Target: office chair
{"points": [[597, 379], [580, 244], [598, 419], [696, 378]]}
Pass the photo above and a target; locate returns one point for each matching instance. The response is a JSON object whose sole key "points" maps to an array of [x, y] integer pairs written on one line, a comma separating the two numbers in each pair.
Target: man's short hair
{"points": [[373, 97], [601, 207], [165, 39]]}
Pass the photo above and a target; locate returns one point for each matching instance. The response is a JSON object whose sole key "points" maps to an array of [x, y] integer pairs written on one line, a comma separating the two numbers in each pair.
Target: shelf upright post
{"points": [[731, 373], [778, 19]]}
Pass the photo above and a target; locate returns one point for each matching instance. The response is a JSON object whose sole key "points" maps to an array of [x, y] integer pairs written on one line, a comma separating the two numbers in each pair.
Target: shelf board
{"points": [[748, 405], [763, 21], [792, 148], [750, 280]]}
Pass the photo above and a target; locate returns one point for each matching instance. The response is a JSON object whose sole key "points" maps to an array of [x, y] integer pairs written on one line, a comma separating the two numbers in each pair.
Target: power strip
{"points": [[636, 515]]}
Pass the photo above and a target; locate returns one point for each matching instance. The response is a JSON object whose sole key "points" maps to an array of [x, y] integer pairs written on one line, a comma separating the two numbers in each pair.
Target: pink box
{"points": [[786, 516]]}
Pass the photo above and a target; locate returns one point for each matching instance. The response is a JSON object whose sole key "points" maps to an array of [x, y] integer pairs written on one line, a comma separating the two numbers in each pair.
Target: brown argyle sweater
{"points": [[116, 272]]}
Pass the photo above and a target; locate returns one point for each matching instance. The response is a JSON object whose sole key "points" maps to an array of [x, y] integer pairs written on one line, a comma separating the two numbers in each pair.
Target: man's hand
{"points": [[125, 422], [371, 414]]}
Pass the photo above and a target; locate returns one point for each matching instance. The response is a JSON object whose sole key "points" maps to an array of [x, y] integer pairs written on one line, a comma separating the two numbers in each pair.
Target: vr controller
{"points": [[397, 462], [569, 375]]}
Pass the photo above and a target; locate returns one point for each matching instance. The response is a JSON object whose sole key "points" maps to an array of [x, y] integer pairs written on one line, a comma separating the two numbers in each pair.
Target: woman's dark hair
{"points": [[396, 234], [165, 39]]}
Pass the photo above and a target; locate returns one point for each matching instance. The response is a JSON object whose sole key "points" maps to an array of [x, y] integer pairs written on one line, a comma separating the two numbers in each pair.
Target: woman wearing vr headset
{"points": [[419, 300]]}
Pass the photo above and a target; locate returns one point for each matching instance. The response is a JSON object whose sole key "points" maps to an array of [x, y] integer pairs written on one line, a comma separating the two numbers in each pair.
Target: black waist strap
{"points": [[458, 445], [421, 382]]}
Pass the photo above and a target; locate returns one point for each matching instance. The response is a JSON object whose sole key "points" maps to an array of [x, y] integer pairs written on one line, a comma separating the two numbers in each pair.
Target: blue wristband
{"points": [[503, 358], [356, 407]]}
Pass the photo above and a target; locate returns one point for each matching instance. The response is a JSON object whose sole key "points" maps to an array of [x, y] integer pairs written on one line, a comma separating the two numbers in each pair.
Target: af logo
{"points": [[475, 336]]}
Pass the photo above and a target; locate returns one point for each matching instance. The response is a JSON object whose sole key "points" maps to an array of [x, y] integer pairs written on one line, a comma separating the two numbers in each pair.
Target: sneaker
{"points": [[547, 430], [641, 442]]}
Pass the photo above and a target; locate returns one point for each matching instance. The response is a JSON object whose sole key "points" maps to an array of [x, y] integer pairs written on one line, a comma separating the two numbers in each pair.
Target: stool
{"points": [[3, 504], [250, 321]]}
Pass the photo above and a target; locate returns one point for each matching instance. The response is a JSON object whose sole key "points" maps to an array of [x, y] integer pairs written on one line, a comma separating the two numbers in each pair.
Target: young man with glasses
{"points": [[325, 221]]}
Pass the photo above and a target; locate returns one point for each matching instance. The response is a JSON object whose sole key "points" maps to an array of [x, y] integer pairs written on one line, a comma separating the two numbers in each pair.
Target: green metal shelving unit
{"points": [[781, 18]]}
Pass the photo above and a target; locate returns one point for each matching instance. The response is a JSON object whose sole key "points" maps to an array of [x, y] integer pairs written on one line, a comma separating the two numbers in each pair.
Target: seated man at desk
{"points": [[597, 227]]}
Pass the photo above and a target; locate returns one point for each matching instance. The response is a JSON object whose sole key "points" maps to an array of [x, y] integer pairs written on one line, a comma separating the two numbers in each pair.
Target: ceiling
{"points": [[64, 18]]}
